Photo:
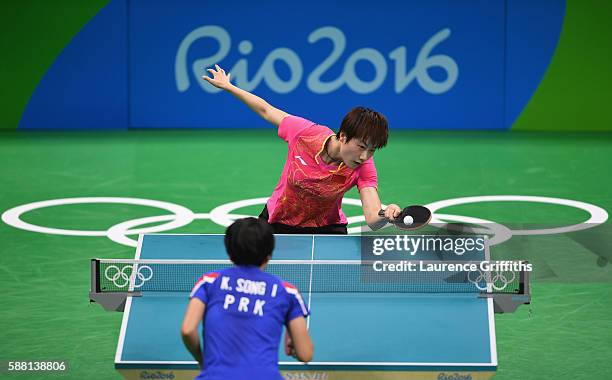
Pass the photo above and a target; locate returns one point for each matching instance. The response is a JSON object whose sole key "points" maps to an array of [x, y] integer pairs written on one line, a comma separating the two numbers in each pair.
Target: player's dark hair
{"points": [[249, 241], [367, 125]]}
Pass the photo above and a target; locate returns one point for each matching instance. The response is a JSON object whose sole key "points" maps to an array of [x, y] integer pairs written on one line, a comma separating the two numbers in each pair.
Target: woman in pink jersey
{"points": [[321, 166]]}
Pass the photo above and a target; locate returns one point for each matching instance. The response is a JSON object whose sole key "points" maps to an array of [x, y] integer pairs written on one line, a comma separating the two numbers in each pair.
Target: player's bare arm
{"points": [[371, 206], [189, 329], [298, 342], [222, 80]]}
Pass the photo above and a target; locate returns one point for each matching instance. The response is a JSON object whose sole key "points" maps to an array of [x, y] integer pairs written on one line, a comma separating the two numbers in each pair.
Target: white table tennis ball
{"points": [[408, 220]]}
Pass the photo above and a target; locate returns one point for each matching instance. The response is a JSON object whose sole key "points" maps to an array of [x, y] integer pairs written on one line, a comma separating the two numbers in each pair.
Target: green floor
{"points": [[44, 279]]}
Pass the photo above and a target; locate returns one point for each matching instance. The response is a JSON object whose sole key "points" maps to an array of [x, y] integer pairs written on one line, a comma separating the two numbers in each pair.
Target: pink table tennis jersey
{"points": [[309, 192]]}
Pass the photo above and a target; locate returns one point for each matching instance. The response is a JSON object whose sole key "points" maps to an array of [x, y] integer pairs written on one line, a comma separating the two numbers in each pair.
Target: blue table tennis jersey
{"points": [[246, 309]]}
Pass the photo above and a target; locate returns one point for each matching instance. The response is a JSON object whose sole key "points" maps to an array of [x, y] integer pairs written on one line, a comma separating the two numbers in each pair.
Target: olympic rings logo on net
{"points": [[121, 279], [492, 278], [223, 215]]}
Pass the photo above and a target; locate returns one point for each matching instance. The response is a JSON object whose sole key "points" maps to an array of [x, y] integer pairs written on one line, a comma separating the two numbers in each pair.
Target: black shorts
{"points": [[279, 228]]}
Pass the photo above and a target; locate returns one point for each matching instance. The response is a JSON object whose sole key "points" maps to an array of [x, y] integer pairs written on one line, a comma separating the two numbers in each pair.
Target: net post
{"points": [[110, 301], [509, 302], [524, 282], [94, 285]]}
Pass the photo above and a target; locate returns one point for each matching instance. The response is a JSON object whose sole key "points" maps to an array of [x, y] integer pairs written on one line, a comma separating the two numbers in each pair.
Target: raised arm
{"points": [[261, 107]]}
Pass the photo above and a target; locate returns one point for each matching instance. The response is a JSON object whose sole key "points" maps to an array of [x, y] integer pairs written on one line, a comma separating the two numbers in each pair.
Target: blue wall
{"points": [[440, 64]]}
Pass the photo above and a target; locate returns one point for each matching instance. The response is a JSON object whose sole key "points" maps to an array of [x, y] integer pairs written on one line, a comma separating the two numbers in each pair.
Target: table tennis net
{"points": [[315, 276]]}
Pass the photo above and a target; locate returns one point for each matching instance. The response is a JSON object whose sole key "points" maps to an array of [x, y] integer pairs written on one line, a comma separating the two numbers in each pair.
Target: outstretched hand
{"points": [[219, 78], [391, 212]]}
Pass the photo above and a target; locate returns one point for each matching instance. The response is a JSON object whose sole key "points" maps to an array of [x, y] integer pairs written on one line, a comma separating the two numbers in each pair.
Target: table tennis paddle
{"points": [[411, 217]]}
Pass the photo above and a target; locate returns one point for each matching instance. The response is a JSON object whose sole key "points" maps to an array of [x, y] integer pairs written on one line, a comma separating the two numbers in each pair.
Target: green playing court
{"points": [[566, 333]]}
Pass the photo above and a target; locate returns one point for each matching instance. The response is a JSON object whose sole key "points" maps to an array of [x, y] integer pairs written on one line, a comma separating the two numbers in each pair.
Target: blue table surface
{"points": [[350, 330]]}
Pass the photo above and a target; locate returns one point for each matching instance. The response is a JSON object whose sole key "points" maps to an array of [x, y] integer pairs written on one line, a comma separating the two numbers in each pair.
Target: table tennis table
{"points": [[356, 335]]}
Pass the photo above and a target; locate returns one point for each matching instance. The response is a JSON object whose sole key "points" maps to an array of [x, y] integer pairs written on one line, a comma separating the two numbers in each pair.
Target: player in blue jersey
{"points": [[244, 310]]}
